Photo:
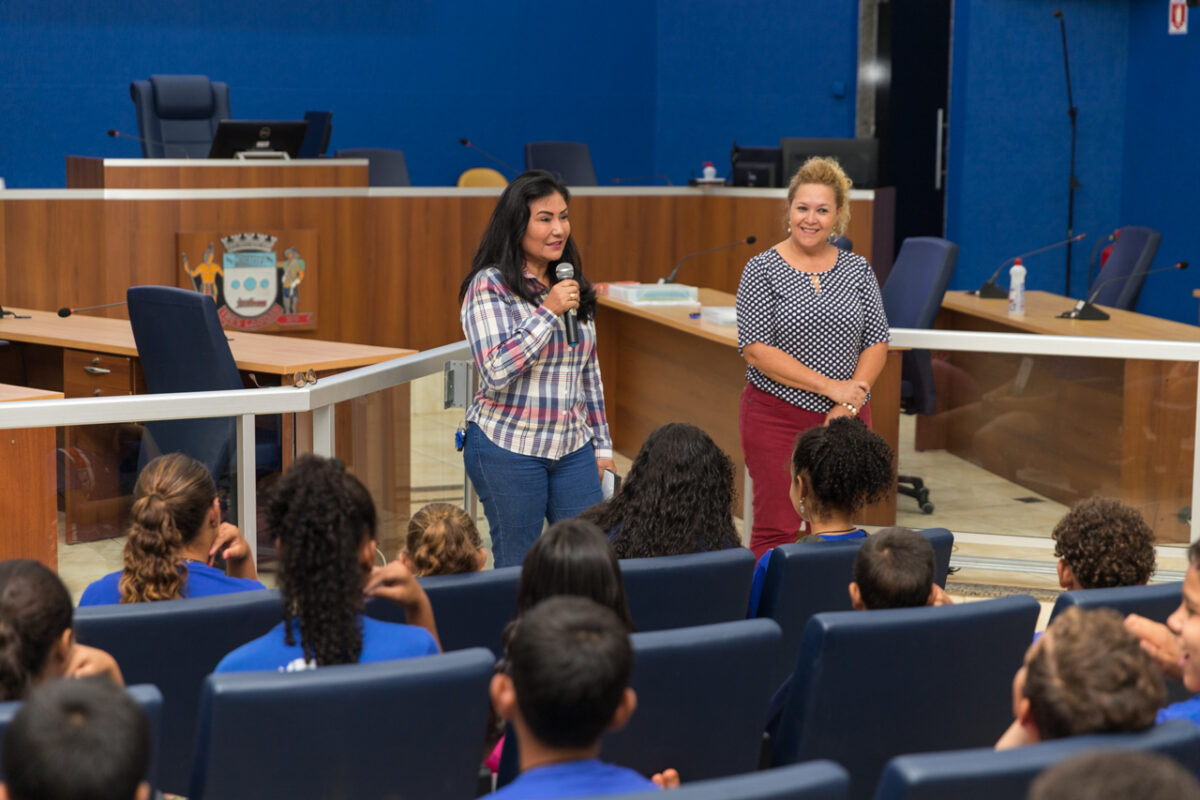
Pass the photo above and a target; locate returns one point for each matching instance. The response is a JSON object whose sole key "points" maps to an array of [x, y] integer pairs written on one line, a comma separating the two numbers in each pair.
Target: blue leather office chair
{"points": [[571, 162], [410, 728], [842, 243], [174, 644], [146, 696], [869, 686], [471, 610], [693, 589], [178, 114], [985, 774], [912, 296], [806, 579], [316, 136], [814, 780], [683, 720], [1132, 255], [182, 348], [387, 167]]}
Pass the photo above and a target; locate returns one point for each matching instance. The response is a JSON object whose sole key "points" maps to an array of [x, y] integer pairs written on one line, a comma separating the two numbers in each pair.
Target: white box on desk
{"points": [[655, 294]]}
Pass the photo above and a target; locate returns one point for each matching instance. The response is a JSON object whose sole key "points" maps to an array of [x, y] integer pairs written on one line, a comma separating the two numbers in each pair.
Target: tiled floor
{"points": [[1001, 541]]}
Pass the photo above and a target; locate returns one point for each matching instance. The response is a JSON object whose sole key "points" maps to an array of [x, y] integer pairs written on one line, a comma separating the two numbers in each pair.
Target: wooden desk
{"points": [[661, 366], [212, 173], [27, 471], [59, 352], [1071, 428]]}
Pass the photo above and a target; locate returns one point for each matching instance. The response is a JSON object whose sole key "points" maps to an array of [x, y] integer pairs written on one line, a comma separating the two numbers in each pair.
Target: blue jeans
{"points": [[519, 492]]}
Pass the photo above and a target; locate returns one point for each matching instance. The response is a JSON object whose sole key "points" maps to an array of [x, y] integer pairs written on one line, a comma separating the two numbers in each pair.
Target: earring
{"points": [[801, 509], [789, 230]]}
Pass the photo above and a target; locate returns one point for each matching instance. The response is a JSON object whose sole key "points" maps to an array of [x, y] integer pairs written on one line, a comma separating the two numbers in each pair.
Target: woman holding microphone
{"points": [[812, 329], [537, 438]]}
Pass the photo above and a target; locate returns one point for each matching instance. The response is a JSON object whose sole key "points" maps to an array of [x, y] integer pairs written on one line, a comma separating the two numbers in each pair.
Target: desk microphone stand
{"points": [[1073, 181]]}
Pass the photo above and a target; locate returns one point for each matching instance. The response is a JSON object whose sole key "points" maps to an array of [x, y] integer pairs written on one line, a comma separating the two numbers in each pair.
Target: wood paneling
{"points": [[27, 468], [95, 173]]}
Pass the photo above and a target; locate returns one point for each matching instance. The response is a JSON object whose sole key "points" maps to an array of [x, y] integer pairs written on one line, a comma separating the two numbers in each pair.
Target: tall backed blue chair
{"points": [[387, 167], [571, 162], [804, 579], [693, 589], [316, 135], [173, 645], [145, 695], [815, 780], [912, 296], [702, 702], [1132, 255], [471, 610], [869, 686], [410, 728], [985, 774], [178, 114], [842, 243]]}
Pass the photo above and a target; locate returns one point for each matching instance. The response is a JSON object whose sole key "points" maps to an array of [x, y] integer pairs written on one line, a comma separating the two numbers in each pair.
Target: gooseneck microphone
{"points": [[671, 277], [1084, 308], [66, 312], [991, 291], [564, 271], [116, 134], [467, 144]]}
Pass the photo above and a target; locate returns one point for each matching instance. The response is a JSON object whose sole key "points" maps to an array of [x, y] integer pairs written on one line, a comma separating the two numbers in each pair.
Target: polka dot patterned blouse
{"points": [[825, 323]]}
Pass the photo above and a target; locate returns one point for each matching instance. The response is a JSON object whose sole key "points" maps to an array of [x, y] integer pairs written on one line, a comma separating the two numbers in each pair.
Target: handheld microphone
{"points": [[991, 291], [1084, 308], [671, 277], [654, 177], [66, 312], [116, 134], [562, 272], [467, 144]]}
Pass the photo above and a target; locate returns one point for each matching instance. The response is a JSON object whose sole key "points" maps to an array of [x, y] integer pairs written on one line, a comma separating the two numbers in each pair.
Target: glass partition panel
{"points": [[1016, 440]]}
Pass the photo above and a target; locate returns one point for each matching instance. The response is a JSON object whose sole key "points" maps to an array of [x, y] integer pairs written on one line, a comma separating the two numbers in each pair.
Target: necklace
{"points": [[839, 530]]}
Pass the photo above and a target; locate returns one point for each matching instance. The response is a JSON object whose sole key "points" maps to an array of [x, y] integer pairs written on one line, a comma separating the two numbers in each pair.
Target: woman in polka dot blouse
{"points": [[812, 329]]}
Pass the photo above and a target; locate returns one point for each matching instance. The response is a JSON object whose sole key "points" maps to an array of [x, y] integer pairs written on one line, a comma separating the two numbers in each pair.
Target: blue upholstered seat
{"points": [[316, 135], [814, 780], [173, 645], [694, 589], [1131, 258], [805, 579], [869, 686], [387, 167], [984, 774], [570, 162], [178, 114], [411, 728]]}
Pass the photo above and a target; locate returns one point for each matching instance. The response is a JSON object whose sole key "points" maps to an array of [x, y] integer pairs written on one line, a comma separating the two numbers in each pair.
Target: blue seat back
{"points": [[178, 114], [815, 780], [173, 645], [145, 695], [316, 135], [570, 162], [387, 167], [411, 728], [869, 686], [694, 589], [985, 774], [807, 578], [1131, 258], [681, 720], [471, 610]]}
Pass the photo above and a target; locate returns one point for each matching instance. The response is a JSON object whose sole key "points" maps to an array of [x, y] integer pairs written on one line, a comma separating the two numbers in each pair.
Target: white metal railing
{"points": [[320, 398]]}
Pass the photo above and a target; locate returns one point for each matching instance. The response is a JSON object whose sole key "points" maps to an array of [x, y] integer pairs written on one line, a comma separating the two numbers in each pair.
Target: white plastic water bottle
{"points": [[710, 172], [1016, 289]]}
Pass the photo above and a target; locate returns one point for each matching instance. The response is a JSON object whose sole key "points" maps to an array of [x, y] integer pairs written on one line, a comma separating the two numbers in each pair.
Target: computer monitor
{"points": [[257, 138], [755, 166], [858, 157]]}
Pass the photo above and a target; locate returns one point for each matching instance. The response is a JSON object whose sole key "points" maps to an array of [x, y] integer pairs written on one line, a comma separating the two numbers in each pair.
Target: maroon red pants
{"points": [[769, 427]]}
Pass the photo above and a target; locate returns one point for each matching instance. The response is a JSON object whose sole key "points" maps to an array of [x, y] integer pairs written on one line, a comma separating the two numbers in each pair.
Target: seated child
{"points": [[1086, 674], [442, 540], [567, 682], [1116, 775], [77, 739], [36, 640], [895, 568], [1102, 543]]}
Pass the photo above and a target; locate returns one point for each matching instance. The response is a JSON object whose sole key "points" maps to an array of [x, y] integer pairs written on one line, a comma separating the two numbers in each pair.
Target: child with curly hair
{"points": [[1102, 543], [442, 540]]}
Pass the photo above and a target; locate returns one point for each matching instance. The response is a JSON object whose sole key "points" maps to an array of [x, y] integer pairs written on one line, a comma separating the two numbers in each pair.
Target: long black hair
{"points": [[500, 246], [573, 557], [321, 514], [677, 498], [35, 609]]}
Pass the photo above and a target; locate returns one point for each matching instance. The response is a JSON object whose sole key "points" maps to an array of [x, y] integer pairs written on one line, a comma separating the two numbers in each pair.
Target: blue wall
{"points": [[652, 87]]}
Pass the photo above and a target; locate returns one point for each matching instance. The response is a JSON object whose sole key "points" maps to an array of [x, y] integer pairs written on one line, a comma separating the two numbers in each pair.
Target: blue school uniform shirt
{"points": [[1184, 709], [760, 569], [587, 778], [202, 581], [382, 641]]}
